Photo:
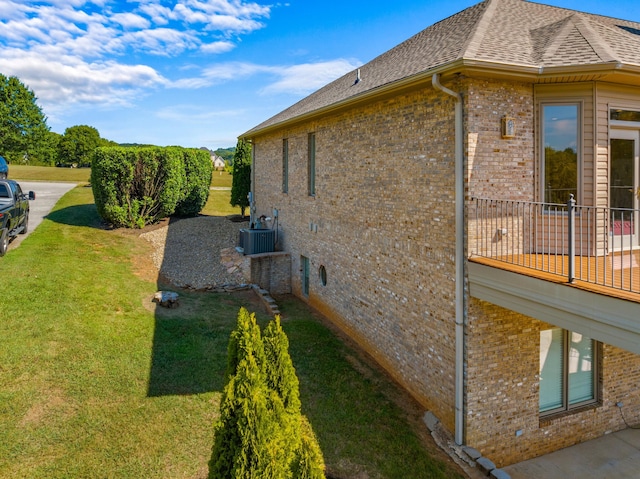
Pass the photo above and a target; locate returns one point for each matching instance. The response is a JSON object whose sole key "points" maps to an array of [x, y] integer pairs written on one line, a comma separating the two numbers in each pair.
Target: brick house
{"points": [[490, 264]]}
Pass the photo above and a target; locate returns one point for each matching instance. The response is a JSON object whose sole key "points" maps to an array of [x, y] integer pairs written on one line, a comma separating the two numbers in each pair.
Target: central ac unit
{"points": [[255, 241]]}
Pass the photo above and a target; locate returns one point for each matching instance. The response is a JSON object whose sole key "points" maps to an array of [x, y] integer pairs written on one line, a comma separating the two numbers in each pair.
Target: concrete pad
{"points": [[614, 456]]}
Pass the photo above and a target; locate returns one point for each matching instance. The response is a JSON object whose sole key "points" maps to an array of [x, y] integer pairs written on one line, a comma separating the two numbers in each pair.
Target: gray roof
{"points": [[500, 34]]}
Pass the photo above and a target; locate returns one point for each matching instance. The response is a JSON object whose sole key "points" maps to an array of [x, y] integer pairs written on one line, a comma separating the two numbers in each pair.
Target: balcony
{"points": [[574, 266]]}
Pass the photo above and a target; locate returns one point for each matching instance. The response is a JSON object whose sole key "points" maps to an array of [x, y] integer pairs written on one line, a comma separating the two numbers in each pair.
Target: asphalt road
{"points": [[47, 195]]}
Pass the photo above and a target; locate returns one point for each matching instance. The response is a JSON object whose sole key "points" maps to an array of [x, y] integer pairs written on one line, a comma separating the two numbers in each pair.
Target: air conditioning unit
{"points": [[255, 241]]}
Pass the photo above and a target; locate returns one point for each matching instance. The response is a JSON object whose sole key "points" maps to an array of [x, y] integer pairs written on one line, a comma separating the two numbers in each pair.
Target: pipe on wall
{"points": [[459, 259]]}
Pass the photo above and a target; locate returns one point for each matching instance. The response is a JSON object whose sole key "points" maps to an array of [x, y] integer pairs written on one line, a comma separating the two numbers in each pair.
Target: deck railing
{"points": [[586, 243]]}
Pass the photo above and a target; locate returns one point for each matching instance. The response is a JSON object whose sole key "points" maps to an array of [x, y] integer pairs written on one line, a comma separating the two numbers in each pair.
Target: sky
{"points": [[199, 73]]}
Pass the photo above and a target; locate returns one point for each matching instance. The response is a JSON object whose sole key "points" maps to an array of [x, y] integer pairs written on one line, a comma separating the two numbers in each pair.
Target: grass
{"points": [[49, 173], [98, 383]]}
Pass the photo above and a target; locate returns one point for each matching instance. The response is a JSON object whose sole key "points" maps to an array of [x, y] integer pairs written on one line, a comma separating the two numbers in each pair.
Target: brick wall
{"points": [[503, 357], [382, 225]]}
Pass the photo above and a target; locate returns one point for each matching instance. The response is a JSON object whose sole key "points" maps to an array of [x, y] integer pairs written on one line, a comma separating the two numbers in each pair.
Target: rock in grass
{"points": [[167, 299]]}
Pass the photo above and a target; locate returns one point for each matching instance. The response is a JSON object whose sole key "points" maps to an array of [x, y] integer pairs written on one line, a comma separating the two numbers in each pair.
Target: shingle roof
{"points": [[514, 33]]}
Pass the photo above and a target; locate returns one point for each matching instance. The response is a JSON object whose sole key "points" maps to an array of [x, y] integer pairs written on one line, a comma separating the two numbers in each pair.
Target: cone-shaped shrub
{"points": [[261, 433], [308, 462]]}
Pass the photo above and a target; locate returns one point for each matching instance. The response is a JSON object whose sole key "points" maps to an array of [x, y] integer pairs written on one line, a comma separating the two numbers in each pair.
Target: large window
{"points": [[312, 164], [568, 370], [285, 166], [561, 140]]}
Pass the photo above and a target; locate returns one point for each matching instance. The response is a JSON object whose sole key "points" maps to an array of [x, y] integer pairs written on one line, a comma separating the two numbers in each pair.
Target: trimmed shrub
{"points": [[198, 169], [133, 187], [261, 432]]}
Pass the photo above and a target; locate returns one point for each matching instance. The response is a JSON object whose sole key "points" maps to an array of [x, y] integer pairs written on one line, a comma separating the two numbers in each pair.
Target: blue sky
{"points": [[198, 73]]}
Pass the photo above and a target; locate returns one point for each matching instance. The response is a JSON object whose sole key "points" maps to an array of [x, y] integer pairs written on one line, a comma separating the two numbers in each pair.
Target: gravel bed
{"points": [[188, 251]]}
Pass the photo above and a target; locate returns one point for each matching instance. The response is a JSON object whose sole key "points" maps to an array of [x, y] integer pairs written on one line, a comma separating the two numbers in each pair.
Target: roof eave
{"points": [[366, 96], [608, 71]]}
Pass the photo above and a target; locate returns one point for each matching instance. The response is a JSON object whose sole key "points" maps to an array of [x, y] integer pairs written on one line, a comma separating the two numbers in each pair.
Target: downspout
{"points": [[459, 259]]}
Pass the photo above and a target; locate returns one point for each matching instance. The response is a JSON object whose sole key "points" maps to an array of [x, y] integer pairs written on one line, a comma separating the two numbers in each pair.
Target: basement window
{"points": [[568, 371]]}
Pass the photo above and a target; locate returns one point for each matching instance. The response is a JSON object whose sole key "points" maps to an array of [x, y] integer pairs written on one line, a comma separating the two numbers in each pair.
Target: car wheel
{"points": [[4, 241], [25, 223]]}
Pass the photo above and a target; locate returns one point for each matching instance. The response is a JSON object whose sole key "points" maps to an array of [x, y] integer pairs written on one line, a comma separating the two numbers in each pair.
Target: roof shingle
{"points": [[507, 32]]}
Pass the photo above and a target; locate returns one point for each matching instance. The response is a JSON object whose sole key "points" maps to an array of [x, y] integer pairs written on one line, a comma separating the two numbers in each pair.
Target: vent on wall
{"points": [[255, 241]]}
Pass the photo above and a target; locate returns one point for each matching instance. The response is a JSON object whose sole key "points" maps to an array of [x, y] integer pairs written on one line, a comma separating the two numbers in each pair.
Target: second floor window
{"points": [[560, 141], [311, 165]]}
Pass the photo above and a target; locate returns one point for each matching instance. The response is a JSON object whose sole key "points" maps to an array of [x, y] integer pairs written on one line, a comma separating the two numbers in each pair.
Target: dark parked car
{"points": [[4, 168], [14, 212]]}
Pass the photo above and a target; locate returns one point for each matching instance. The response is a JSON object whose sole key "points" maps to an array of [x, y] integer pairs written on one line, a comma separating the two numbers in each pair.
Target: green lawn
{"points": [[97, 383]]}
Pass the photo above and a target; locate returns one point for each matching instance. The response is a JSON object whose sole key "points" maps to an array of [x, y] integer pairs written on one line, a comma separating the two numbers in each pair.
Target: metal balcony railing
{"points": [[585, 243]]}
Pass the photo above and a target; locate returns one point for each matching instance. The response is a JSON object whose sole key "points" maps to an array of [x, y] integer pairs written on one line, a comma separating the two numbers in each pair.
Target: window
{"points": [[568, 370], [304, 275], [285, 166], [312, 164], [624, 115], [560, 141]]}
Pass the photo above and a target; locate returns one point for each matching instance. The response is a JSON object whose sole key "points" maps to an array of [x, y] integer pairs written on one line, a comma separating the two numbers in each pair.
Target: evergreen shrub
{"points": [[198, 170], [261, 432], [134, 187]]}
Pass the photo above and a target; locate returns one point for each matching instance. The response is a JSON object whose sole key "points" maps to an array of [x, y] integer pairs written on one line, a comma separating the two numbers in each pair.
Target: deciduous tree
{"points": [[23, 126], [78, 144]]}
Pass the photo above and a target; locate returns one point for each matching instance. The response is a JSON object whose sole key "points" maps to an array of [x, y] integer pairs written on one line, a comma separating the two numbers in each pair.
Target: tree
{"points": [[78, 145], [241, 182], [226, 154], [261, 432], [23, 126]]}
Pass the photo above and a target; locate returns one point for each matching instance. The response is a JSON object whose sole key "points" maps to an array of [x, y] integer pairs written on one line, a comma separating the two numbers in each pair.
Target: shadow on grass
{"points": [[77, 215], [186, 356], [189, 352]]}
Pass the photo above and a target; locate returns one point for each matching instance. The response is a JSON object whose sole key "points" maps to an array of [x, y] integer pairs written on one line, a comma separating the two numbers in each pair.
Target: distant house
{"points": [[218, 162], [493, 269]]}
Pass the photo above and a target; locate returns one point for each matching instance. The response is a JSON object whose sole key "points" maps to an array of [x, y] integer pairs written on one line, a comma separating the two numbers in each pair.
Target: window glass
{"points": [[285, 165], [580, 368], [312, 164], [305, 275], [560, 155], [567, 370], [551, 352], [625, 115]]}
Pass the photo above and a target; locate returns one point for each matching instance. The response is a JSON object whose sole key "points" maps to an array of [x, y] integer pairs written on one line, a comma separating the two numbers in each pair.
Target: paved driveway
{"points": [[47, 195]]}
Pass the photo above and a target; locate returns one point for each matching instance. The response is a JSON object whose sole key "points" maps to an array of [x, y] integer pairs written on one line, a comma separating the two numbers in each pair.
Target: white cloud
{"points": [[294, 80], [70, 80], [306, 78], [217, 47], [195, 113], [130, 20]]}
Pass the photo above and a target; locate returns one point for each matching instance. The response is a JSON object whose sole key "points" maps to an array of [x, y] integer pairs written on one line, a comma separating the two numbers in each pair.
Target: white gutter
{"points": [[459, 259]]}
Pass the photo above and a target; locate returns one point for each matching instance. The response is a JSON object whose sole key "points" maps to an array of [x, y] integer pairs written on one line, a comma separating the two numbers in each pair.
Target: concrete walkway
{"points": [[614, 456]]}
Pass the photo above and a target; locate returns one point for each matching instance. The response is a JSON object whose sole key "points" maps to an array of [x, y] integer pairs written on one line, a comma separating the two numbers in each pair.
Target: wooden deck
{"points": [[616, 275]]}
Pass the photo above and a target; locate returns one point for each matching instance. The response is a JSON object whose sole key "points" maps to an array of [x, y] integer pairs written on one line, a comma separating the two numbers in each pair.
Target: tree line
{"points": [[25, 137]]}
